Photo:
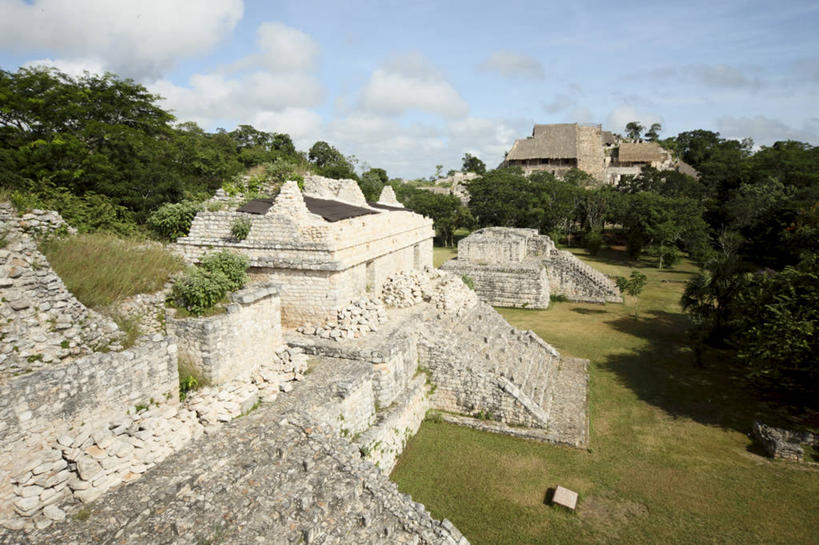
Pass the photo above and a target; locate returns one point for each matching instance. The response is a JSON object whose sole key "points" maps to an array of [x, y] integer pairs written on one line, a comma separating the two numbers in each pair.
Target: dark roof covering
{"points": [[256, 206], [386, 206], [327, 209], [335, 210]]}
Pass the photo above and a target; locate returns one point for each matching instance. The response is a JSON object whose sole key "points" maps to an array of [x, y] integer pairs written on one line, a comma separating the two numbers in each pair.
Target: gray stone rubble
{"points": [[42, 323]]}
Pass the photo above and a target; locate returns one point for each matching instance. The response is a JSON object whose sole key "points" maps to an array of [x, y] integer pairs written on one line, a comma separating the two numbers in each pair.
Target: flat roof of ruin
{"points": [[330, 210]]}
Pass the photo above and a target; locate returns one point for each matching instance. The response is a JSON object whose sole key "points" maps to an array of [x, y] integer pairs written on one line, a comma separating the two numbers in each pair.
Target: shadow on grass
{"points": [[581, 310], [664, 374]]}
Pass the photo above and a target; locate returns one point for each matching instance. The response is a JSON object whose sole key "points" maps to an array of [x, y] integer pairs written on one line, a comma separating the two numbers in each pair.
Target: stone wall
{"points": [[233, 344], [318, 265], [41, 322], [590, 155], [395, 425], [38, 407], [524, 284], [270, 477], [507, 267]]}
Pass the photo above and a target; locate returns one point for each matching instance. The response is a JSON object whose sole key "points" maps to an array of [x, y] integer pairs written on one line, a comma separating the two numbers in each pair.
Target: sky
{"points": [[409, 85]]}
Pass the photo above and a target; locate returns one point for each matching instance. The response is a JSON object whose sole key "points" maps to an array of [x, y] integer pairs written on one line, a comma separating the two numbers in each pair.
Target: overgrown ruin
{"points": [[521, 268], [351, 338]]}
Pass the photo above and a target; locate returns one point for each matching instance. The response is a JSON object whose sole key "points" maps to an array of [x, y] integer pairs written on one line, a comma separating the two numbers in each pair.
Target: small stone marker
{"points": [[565, 497]]}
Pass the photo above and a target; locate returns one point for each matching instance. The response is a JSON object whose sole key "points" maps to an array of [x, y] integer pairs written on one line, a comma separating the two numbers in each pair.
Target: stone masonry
{"points": [[521, 268], [42, 323], [232, 344], [326, 409], [319, 265]]}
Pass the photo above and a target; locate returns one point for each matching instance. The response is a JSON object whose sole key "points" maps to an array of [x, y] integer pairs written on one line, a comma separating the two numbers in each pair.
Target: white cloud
{"points": [[137, 39], [273, 100], [513, 65], [286, 48], [765, 131], [622, 115], [410, 82], [303, 125], [72, 67], [559, 103]]}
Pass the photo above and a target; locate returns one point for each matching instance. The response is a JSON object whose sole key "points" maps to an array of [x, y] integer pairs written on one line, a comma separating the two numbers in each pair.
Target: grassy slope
{"points": [[670, 461], [101, 269]]}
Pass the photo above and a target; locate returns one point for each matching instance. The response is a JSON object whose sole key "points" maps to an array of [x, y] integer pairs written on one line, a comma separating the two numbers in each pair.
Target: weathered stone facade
{"points": [[520, 268], [42, 323], [233, 344], [784, 444], [319, 265]]}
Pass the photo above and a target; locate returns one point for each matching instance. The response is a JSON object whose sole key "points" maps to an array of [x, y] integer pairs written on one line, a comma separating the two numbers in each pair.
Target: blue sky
{"points": [[408, 85]]}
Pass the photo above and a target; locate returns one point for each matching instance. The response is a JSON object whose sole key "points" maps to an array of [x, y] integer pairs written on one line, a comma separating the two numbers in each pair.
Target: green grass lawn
{"points": [[670, 460], [440, 255]]}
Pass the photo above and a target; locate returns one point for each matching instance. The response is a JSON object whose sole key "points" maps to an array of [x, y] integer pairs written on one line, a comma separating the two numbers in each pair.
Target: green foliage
{"points": [[173, 220], [199, 290], [467, 280], [775, 324], [470, 163], [240, 228], [633, 130], [558, 298], [447, 212], [633, 285], [233, 266], [593, 240]]}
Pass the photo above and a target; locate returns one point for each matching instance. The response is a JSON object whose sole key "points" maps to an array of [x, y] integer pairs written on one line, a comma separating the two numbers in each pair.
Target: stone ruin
{"points": [[339, 382], [521, 268]]}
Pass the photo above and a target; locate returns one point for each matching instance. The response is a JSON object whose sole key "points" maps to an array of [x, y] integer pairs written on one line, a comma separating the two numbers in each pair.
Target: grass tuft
{"points": [[103, 269]]}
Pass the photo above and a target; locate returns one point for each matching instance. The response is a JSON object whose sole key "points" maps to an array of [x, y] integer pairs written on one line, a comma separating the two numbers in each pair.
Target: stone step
{"points": [[567, 402]]}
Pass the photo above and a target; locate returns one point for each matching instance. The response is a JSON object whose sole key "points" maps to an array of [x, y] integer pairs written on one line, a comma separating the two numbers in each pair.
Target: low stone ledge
{"points": [[504, 429]]}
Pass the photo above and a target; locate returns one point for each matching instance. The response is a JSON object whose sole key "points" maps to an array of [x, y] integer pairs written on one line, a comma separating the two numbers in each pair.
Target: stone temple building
{"points": [[557, 148], [521, 268], [322, 247]]}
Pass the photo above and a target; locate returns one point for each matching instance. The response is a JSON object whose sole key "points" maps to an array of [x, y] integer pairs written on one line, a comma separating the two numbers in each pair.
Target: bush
{"points": [[199, 290], [240, 228], [593, 241], [469, 282], [232, 266], [173, 220]]}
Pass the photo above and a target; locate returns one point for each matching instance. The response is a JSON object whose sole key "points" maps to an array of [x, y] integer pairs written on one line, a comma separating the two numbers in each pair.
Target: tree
{"points": [[438, 170], [632, 286], [633, 130], [473, 164], [653, 133], [331, 162]]}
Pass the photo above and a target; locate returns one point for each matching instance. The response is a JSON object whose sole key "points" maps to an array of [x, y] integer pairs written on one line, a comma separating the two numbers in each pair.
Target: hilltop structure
{"points": [[521, 268], [557, 148]]}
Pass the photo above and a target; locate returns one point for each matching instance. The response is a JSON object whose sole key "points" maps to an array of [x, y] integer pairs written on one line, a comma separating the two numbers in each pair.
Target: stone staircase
{"points": [[594, 279], [552, 388]]}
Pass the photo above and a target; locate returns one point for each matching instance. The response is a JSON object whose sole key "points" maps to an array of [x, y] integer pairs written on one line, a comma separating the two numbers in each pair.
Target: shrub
{"points": [[593, 241], [199, 290], [240, 228], [558, 298], [232, 266], [173, 220], [469, 282]]}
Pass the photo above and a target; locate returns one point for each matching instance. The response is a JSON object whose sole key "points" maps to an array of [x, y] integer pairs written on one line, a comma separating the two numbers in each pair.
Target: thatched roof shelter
{"points": [[641, 152], [547, 141]]}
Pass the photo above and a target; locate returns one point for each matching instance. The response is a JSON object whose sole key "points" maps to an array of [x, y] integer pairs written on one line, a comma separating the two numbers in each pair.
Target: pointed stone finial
{"points": [[388, 197], [289, 203]]}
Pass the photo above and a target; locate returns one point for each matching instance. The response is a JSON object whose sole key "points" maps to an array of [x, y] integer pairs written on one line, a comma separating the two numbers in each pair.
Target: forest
{"points": [[101, 151]]}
